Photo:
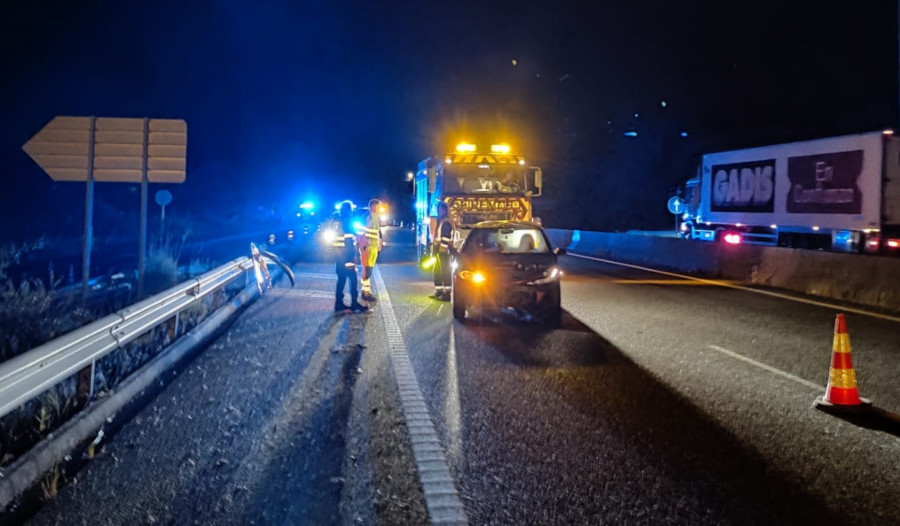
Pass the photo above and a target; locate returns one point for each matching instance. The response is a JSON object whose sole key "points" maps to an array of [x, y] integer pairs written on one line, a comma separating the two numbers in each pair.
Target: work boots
{"points": [[368, 296]]}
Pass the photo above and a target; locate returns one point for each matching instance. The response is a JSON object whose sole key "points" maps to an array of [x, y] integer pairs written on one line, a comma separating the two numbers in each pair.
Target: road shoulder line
{"points": [[441, 496], [741, 287]]}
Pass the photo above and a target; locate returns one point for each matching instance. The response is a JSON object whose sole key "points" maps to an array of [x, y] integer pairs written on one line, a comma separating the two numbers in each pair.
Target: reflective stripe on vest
{"points": [[443, 233], [371, 230], [340, 238]]}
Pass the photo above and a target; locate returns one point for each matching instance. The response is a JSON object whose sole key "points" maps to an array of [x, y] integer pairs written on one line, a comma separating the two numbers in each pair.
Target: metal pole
{"points": [[93, 375], [88, 214], [142, 252]]}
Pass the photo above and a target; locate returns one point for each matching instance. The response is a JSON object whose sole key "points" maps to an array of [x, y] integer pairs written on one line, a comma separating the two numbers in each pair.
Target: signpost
{"points": [[676, 207], [162, 198], [89, 149]]}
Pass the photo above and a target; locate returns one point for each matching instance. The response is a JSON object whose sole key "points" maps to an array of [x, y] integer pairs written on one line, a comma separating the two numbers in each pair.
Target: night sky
{"points": [[287, 101]]}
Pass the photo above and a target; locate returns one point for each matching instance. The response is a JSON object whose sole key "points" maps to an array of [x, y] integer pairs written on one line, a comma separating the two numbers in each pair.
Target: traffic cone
{"points": [[841, 393]]}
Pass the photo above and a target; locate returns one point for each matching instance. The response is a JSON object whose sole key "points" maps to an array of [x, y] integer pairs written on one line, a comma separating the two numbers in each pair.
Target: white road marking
{"points": [[441, 496], [769, 368], [452, 411], [748, 289], [300, 293], [315, 275]]}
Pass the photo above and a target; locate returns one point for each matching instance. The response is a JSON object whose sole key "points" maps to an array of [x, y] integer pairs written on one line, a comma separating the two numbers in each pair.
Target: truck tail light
{"points": [[892, 243], [732, 238]]}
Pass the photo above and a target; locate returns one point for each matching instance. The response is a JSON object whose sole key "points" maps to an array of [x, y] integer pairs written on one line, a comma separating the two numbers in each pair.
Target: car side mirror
{"points": [[559, 251]]}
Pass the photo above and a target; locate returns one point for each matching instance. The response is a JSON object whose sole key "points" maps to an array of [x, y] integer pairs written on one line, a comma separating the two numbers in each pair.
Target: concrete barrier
{"points": [[857, 278]]}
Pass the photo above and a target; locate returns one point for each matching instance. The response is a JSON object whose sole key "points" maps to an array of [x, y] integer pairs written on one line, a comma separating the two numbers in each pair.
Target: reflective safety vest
{"points": [[370, 232], [343, 242], [443, 235]]}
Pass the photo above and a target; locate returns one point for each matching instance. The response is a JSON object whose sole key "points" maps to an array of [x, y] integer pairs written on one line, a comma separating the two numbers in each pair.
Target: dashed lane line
{"points": [[441, 497], [748, 289], [769, 368]]}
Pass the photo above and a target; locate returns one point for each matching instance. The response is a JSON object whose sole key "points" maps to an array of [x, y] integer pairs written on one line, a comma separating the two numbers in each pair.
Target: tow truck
{"points": [[487, 184]]}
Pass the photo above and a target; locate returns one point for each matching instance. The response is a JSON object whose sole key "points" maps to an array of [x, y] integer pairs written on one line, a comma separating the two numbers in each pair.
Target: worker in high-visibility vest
{"points": [[369, 241], [345, 259], [440, 250]]}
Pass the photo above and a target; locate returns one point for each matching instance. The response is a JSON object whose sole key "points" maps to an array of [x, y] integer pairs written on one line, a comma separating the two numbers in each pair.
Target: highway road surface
{"points": [[661, 400]]}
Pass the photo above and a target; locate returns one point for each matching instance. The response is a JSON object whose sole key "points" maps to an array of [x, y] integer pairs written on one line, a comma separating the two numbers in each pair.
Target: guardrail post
{"points": [[93, 375], [177, 319]]}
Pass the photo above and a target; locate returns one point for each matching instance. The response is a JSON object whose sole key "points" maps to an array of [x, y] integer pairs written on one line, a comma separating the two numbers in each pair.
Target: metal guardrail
{"points": [[27, 375]]}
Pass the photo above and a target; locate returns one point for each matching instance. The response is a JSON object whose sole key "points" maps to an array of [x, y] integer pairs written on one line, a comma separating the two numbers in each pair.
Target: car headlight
{"points": [[328, 236], [475, 277]]}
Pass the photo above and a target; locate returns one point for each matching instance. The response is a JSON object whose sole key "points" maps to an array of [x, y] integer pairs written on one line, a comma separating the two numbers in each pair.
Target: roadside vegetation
{"points": [[34, 311]]}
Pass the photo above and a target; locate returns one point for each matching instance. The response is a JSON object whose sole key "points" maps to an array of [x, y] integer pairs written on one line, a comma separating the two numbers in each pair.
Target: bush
{"points": [[161, 273], [161, 269], [32, 314]]}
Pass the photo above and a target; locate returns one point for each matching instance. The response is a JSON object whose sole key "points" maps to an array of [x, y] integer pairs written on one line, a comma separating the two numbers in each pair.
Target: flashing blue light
{"points": [[684, 134], [631, 134], [308, 205], [576, 237]]}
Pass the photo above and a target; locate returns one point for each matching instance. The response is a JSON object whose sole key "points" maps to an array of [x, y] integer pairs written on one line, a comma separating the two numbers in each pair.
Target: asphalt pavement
{"points": [[660, 400]]}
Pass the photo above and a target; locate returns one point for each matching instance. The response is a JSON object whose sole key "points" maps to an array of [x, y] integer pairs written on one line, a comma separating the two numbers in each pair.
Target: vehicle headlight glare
{"points": [[474, 277]]}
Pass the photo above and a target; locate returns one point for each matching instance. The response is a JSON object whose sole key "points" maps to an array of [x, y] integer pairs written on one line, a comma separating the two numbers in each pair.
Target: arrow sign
{"points": [[89, 149], [675, 205], [63, 149]]}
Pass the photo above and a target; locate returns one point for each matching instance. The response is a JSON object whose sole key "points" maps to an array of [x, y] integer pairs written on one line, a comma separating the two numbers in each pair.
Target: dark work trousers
{"points": [[442, 272], [345, 274]]}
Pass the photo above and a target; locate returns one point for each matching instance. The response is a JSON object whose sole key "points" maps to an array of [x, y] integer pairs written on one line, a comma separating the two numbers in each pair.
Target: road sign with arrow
{"points": [[105, 149]]}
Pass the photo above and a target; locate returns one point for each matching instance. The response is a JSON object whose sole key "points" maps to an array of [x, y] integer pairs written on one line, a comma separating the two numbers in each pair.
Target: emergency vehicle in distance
{"points": [[477, 185]]}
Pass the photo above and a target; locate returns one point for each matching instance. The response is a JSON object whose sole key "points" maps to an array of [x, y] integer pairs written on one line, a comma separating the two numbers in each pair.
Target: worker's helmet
{"points": [[373, 205], [442, 206]]}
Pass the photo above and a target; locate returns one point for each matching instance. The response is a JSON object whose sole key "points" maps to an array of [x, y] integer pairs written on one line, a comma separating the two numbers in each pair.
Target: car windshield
{"points": [[507, 241]]}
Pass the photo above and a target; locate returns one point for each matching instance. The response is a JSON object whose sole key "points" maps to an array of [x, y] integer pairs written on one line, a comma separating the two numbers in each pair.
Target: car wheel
{"points": [[459, 304]]}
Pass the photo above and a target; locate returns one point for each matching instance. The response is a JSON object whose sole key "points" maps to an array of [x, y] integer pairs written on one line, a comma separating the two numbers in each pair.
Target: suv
{"points": [[507, 266]]}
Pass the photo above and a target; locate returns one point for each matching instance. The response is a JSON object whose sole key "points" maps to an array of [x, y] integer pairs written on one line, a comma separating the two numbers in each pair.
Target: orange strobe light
{"points": [[842, 394]]}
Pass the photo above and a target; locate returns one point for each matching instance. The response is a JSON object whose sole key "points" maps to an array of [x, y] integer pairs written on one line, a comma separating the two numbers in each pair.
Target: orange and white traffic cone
{"points": [[842, 394]]}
